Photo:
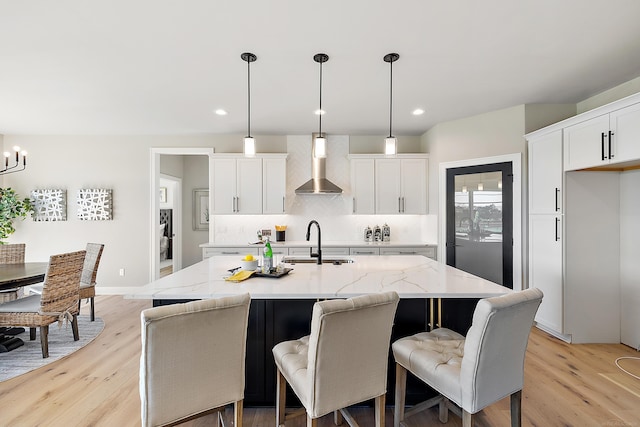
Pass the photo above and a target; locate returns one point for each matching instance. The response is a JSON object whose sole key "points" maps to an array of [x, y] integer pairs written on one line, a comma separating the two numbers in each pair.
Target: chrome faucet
{"points": [[311, 254]]}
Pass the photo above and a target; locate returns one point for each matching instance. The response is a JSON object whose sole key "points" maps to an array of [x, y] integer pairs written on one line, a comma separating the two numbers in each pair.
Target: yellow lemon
{"points": [[248, 257]]}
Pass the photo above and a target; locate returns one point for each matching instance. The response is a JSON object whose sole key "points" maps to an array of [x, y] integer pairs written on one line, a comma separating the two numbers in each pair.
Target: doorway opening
{"points": [[170, 207]]}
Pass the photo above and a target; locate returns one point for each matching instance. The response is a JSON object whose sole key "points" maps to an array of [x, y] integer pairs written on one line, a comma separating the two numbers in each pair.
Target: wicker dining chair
{"points": [[89, 274], [59, 300], [88, 279], [11, 254]]}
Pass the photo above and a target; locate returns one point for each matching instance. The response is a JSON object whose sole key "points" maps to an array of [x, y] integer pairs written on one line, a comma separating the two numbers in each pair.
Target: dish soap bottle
{"points": [[267, 257]]}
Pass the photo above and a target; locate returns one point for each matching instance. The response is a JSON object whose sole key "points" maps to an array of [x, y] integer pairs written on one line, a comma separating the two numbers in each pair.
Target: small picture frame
{"points": [[201, 209], [163, 194]]}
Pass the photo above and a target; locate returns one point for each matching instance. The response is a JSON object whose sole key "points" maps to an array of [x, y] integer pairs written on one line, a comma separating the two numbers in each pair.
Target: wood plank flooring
{"points": [[565, 385]]}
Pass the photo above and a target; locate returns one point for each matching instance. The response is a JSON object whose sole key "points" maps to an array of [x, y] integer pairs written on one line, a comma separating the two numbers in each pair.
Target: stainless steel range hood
{"points": [[318, 184]]}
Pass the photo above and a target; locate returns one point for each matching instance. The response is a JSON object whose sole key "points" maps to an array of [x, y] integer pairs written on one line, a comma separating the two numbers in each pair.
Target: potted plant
{"points": [[12, 207]]}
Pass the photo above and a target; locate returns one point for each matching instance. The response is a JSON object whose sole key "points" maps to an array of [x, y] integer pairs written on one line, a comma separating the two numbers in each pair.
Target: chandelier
{"points": [[15, 167]]}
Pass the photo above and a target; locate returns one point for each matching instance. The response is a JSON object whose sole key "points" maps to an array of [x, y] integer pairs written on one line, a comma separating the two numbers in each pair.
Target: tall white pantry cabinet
{"points": [[584, 224]]}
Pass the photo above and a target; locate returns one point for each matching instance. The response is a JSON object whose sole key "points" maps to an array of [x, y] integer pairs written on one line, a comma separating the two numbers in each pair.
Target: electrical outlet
{"points": [[122, 272]]}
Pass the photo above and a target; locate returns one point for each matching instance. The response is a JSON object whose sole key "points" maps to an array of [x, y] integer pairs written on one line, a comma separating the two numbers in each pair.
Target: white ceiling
{"points": [[163, 67]]}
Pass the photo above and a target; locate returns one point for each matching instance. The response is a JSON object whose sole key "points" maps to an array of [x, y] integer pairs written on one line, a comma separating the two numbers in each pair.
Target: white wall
{"points": [[485, 135], [610, 95], [629, 256], [121, 163]]}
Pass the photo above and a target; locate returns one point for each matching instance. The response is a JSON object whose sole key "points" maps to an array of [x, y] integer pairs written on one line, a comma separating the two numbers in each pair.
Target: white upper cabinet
{"points": [[389, 185], [545, 174], [586, 144], [274, 185], [249, 186], [243, 185], [362, 186], [603, 140], [401, 186], [626, 127]]}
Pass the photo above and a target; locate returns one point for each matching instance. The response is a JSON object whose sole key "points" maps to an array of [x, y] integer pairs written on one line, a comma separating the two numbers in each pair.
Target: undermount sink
{"points": [[309, 260]]}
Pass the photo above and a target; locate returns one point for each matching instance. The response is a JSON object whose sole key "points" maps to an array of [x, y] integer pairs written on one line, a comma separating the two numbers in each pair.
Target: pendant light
{"points": [[249, 142], [320, 142], [390, 142]]}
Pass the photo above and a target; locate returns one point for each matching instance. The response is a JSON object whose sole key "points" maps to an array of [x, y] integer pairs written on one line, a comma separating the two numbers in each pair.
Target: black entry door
{"points": [[480, 221]]}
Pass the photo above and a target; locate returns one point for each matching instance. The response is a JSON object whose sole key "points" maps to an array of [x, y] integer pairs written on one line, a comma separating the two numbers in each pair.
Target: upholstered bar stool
{"points": [[342, 362], [193, 360], [475, 371]]}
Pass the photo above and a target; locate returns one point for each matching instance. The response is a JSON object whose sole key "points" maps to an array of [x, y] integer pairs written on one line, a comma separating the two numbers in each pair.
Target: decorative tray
{"points": [[273, 273]]}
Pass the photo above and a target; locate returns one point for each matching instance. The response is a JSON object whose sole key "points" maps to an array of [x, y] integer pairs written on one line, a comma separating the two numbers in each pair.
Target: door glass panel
{"points": [[478, 223]]}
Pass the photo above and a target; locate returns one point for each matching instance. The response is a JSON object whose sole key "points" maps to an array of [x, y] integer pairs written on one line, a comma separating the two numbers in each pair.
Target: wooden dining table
{"points": [[23, 274]]}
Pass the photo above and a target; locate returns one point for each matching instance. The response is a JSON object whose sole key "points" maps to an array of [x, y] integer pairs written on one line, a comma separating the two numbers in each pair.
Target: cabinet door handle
{"points": [[229, 253], [407, 252], [610, 144], [557, 192], [354, 205], [404, 206], [557, 222], [282, 204], [602, 145], [399, 206]]}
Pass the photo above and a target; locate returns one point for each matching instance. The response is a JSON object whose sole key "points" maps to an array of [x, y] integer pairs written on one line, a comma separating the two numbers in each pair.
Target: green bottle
{"points": [[267, 258]]}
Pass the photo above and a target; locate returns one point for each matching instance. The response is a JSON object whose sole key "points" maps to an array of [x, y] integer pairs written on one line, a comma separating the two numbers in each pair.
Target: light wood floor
{"points": [[565, 385]]}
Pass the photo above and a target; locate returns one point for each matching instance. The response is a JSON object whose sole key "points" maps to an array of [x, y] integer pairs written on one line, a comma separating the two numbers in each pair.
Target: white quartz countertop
{"points": [[314, 243], [412, 276]]}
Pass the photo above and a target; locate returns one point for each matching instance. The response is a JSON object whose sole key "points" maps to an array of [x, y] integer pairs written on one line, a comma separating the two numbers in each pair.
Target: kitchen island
{"points": [[431, 294]]}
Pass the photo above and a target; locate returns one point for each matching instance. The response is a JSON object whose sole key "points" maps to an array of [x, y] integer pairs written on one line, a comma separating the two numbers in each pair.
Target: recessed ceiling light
{"points": [[221, 112], [319, 112], [418, 112]]}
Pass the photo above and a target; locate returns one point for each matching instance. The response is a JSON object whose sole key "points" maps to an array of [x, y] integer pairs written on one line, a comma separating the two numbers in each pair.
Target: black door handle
{"points": [[610, 138], [557, 222], [602, 145]]}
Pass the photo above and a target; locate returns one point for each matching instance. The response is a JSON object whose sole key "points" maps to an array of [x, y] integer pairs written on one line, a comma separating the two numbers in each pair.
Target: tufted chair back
{"points": [[193, 359], [495, 346], [348, 351]]}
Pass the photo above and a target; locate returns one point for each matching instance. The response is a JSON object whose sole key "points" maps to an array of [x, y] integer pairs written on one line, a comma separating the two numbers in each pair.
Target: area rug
{"points": [[29, 356]]}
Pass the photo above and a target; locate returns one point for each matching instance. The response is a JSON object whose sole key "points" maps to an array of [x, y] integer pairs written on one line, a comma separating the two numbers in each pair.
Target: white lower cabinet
{"points": [[329, 250], [545, 268], [364, 251], [209, 252], [429, 251]]}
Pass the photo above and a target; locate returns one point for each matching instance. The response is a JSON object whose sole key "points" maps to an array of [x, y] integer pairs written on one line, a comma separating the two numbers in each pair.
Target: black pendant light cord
{"points": [[249, 99], [248, 57], [391, 58], [390, 95], [320, 58], [320, 112]]}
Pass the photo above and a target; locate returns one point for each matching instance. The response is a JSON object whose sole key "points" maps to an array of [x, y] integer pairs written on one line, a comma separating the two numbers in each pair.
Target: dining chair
{"points": [[472, 372], [11, 253], [342, 362], [88, 278], [58, 302], [193, 360]]}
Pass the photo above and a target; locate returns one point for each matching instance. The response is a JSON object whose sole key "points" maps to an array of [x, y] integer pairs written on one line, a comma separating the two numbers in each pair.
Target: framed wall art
{"points": [[49, 205], [95, 204], [201, 209]]}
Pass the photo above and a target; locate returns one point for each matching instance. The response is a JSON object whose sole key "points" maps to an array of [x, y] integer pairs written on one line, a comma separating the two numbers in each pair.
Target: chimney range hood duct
{"points": [[318, 184]]}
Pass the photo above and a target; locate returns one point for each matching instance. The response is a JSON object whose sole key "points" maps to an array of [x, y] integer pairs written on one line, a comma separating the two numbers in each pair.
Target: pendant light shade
{"points": [[320, 142], [249, 142], [390, 142]]}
